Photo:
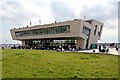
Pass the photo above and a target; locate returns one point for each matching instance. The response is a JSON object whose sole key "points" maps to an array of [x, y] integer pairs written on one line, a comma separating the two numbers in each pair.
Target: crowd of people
{"points": [[101, 48], [62, 49], [105, 48]]}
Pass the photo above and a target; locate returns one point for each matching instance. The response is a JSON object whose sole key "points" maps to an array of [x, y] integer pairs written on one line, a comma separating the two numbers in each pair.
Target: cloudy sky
{"points": [[19, 13]]}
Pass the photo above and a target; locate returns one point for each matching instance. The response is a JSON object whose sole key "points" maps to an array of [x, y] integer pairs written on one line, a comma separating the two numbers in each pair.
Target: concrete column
{"points": [[81, 43], [23, 43]]}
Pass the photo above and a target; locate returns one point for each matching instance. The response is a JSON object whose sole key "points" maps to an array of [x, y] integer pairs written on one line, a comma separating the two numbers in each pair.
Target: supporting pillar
{"points": [[81, 43], [23, 43]]}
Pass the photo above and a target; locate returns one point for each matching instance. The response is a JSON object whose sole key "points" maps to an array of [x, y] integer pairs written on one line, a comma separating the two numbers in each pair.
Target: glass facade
{"points": [[45, 31], [44, 44]]}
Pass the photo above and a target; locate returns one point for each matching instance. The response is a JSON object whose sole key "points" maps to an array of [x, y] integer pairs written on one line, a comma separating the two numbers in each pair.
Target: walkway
{"points": [[111, 51]]}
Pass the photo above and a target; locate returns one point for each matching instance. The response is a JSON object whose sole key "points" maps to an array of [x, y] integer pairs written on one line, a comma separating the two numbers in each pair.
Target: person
{"points": [[70, 49], [58, 50], [19, 47], [14, 47], [62, 49], [73, 49], [53, 49], [104, 46], [99, 48], [93, 46], [93, 50], [116, 47], [107, 50]]}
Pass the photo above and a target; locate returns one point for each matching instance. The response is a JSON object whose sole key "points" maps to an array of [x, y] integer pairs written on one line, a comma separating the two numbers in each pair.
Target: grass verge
{"points": [[18, 63]]}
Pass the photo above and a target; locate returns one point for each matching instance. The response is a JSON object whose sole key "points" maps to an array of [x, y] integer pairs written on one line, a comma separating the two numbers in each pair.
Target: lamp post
{"points": [[6, 43]]}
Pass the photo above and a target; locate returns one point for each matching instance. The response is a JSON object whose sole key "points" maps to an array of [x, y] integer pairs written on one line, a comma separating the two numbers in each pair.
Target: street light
{"points": [[6, 43]]}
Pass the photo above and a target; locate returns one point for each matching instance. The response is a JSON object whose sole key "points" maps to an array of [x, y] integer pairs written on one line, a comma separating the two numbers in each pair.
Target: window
{"points": [[95, 29], [44, 31], [99, 33], [86, 30]]}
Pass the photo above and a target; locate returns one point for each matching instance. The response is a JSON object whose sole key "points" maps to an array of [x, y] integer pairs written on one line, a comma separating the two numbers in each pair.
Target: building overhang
{"points": [[50, 38]]}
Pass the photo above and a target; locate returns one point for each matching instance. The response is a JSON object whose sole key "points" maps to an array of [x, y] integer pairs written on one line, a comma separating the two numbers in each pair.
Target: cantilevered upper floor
{"points": [[76, 28]]}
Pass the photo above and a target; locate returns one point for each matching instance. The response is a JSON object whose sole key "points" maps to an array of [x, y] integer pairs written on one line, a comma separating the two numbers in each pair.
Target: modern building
{"points": [[76, 33]]}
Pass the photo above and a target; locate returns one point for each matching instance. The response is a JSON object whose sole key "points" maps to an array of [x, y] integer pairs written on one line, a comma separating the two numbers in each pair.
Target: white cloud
{"points": [[110, 35], [15, 13], [110, 31], [20, 13], [111, 23]]}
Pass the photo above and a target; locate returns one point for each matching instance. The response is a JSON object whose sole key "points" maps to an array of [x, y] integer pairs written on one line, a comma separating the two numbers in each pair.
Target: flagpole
{"points": [[6, 43], [84, 17], [30, 23], [39, 21]]}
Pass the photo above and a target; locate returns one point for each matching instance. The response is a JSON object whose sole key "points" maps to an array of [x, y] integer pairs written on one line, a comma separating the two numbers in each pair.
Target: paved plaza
{"points": [[111, 51]]}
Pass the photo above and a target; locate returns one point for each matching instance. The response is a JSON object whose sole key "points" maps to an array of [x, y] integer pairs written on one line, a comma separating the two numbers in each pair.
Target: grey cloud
{"points": [[60, 11], [110, 39], [111, 26], [100, 12], [14, 12]]}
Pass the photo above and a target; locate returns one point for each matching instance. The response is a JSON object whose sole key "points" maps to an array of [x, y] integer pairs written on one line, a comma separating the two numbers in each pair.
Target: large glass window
{"points": [[44, 31], [86, 30], [50, 43]]}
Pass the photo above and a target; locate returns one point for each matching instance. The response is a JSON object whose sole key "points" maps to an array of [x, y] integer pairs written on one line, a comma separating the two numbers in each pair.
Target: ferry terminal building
{"points": [[76, 33]]}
